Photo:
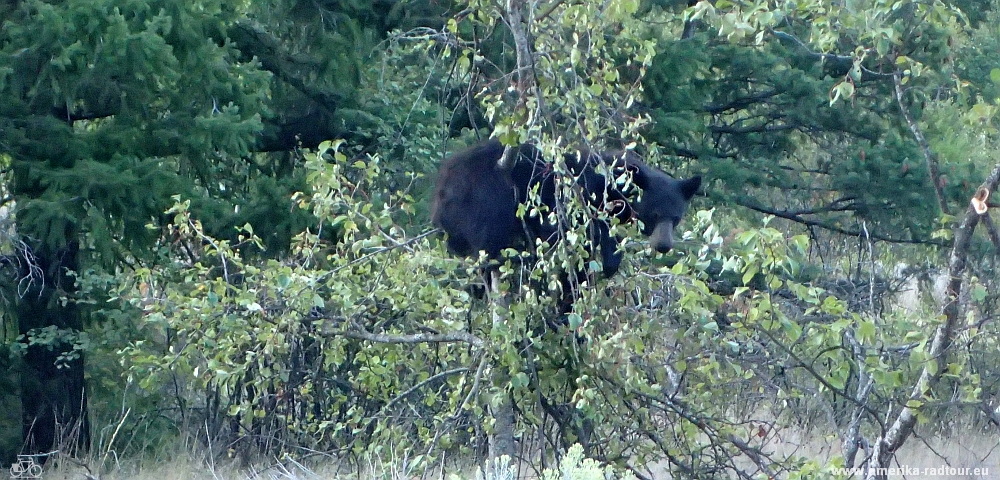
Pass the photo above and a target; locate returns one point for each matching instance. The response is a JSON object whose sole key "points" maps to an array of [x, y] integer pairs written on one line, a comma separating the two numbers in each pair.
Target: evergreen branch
{"points": [[798, 218], [831, 208], [252, 40], [686, 153], [69, 116], [740, 103], [729, 129], [841, 64]]}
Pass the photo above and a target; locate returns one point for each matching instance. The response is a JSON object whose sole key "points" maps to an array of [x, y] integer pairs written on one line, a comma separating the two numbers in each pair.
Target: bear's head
{"points": [[661, 204]]}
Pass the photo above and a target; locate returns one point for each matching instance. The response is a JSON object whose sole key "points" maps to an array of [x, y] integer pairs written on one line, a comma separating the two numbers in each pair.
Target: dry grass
{"points": [[968, 449], [184, 468]]}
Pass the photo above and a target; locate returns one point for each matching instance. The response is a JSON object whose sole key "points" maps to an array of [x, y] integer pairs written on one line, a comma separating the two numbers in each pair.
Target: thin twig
{"points": [[382, 250], [932, 164], [359, 333], [421, 384]]}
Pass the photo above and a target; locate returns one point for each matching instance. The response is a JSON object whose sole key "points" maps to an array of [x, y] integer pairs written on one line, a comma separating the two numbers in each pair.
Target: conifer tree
{"points": [[112, 107], [109, 108]]}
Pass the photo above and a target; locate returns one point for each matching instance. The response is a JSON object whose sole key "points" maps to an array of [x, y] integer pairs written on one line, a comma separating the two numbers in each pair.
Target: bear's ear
{"points": [[639, 175], [690, 186]]}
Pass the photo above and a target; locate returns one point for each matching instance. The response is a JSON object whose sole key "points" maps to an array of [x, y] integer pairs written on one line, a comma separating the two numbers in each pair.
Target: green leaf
{"points": [[575, 320], [882, 46], [978, 293], [843, 89], [793, 330], [866, 331], [855, 73], [519, 380]]}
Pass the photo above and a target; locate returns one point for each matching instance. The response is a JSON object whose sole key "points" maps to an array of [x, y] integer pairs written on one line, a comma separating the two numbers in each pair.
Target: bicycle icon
{"points": [[25, 467]]}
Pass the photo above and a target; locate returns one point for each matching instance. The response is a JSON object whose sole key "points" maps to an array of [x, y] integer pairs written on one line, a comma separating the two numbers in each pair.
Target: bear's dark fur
{"points": [[475, 202]]}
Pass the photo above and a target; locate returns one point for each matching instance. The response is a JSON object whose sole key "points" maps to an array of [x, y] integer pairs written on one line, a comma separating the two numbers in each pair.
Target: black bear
{"points": [[475, 202]]}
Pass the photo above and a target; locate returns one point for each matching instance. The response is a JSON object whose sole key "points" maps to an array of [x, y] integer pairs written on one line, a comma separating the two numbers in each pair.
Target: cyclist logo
{"points": [[25, 467]]}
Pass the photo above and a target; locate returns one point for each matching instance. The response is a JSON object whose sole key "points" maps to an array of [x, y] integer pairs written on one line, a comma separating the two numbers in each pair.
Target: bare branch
{"points": [[762, 128], [421, 384], [396, 244], [514, 18], [473, 393], [754, 454], [30, 268], [932, 164], [893, 438], [797, 218], [739, 103], [841, 63], [993, 414], [852, 438], [358, 332]]}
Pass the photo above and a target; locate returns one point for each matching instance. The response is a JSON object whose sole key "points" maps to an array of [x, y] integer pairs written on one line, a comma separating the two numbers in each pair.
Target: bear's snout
{"points": [[662, 239]]}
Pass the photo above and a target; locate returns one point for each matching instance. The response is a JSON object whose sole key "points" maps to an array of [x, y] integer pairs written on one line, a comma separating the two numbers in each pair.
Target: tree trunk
{"points": [[501, 442], [53, 392]]}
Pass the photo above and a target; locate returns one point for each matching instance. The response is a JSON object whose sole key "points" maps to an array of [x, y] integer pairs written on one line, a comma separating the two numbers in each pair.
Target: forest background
{"points": [[216, 231]]}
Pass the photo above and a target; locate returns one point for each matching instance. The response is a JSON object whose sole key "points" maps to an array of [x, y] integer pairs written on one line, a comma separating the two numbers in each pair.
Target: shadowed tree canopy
{"points": [[763, 118], [112, 107]]}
